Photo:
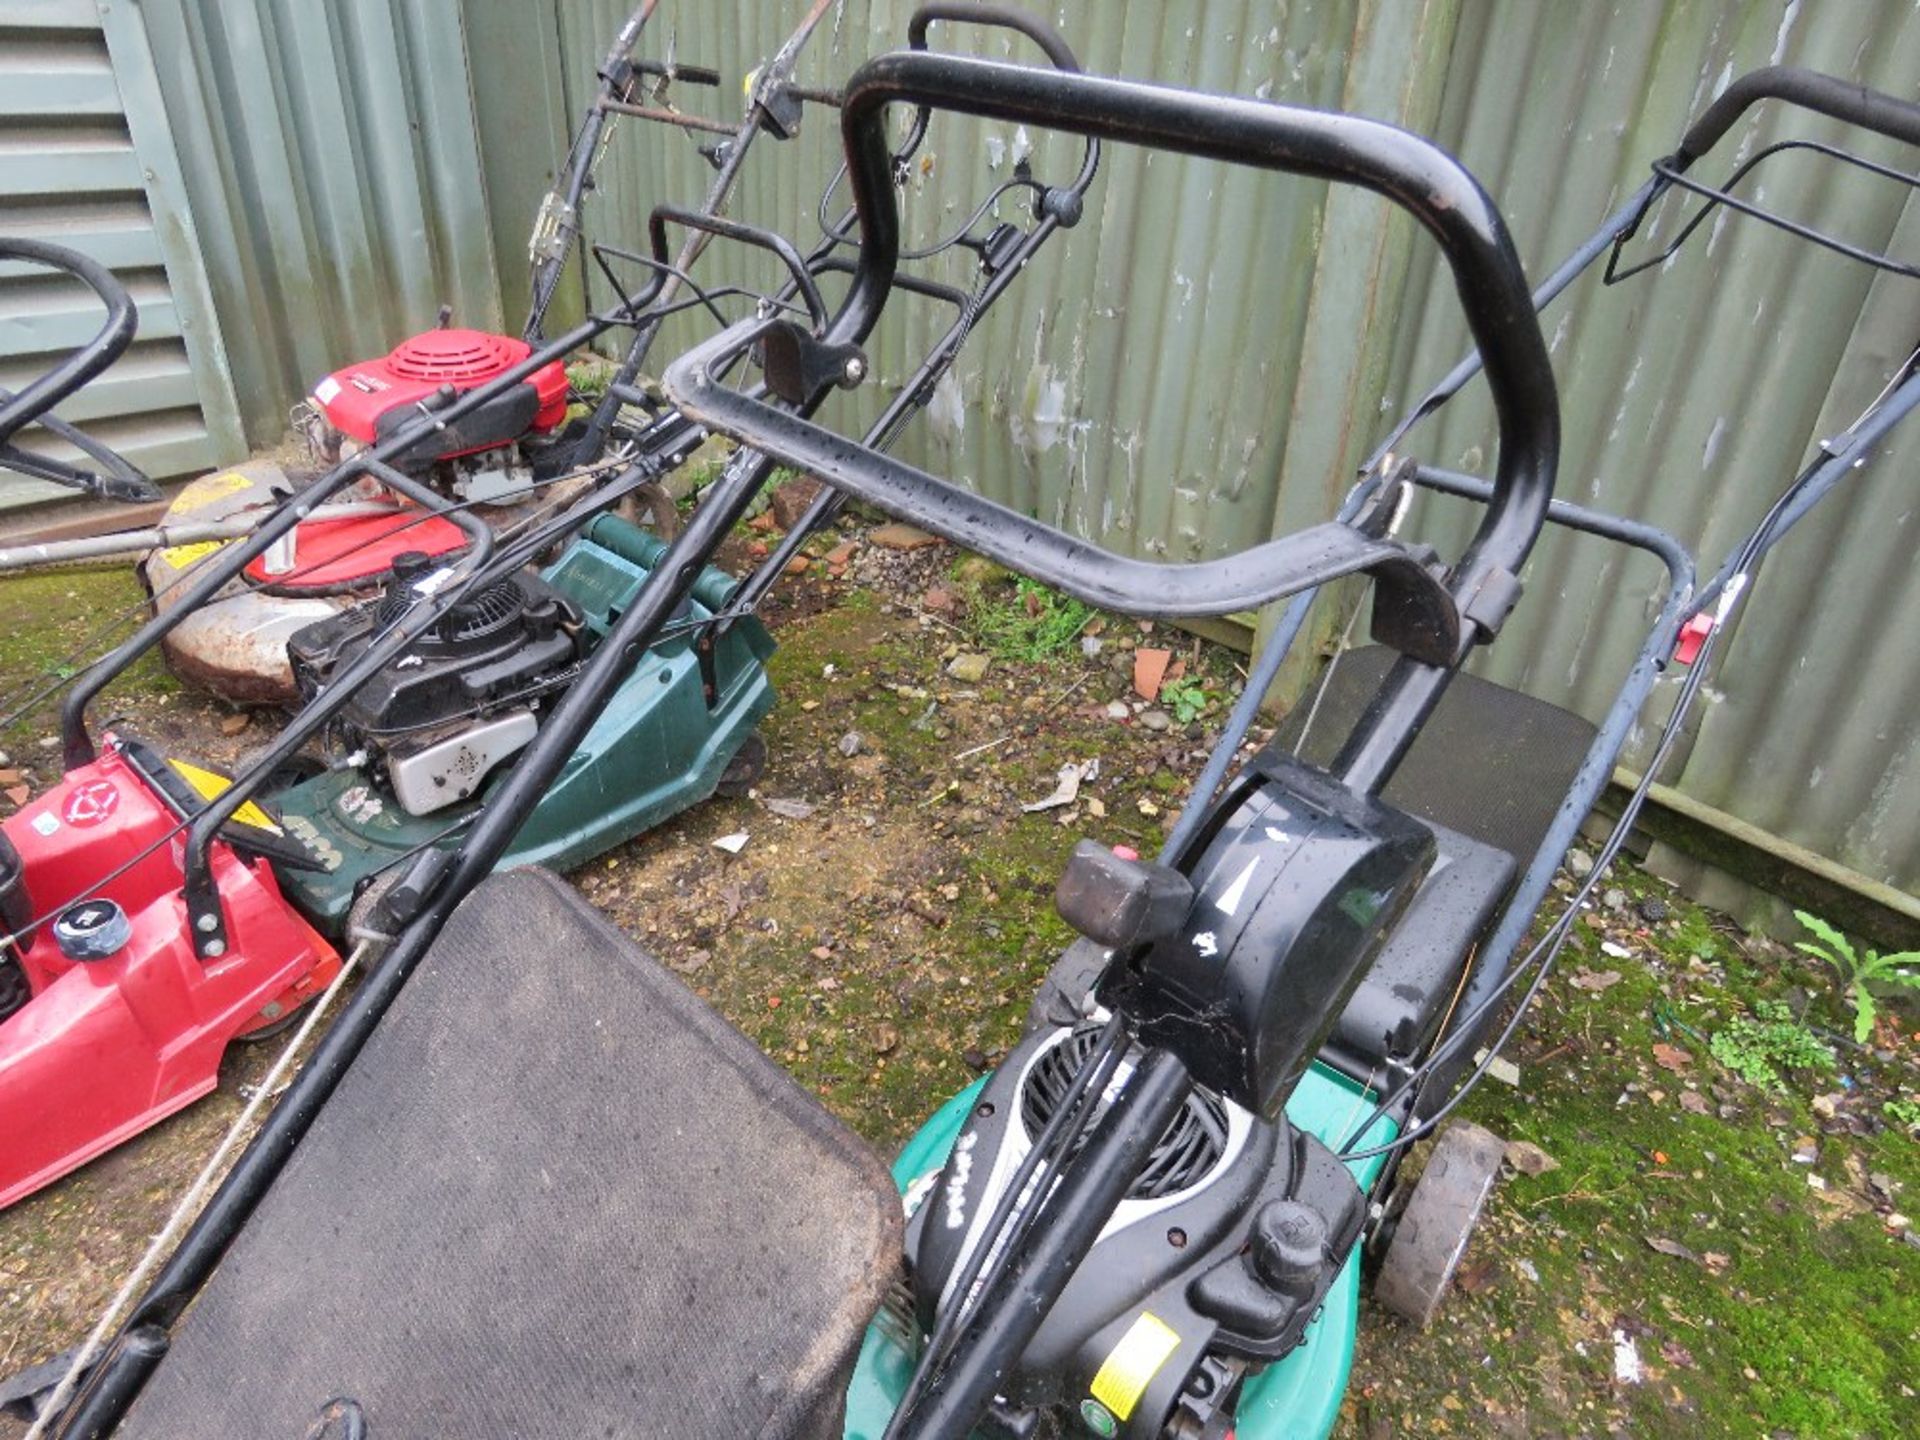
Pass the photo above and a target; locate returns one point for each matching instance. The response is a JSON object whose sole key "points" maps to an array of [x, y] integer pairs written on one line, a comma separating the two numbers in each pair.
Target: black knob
{"points": [[1289, 1245], [410, 566], [92, 930]]}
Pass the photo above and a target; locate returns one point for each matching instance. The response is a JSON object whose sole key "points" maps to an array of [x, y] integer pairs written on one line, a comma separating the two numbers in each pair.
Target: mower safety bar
{"points": [[1406, 169], [1099, 577], [999, 17], [1810, 90], [746, 234]]}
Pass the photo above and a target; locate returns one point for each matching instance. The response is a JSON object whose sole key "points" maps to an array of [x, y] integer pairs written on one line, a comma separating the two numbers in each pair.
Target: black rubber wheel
{"points": [[749, 762], [279, 1026], [1432, 1234], [296, 769]]}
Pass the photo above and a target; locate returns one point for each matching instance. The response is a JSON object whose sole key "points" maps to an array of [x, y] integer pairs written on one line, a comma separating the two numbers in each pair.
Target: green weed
{"points": [[1904, 1111], [1858, 971], [1760, 1046], [1033, 624], [1187, 698]]}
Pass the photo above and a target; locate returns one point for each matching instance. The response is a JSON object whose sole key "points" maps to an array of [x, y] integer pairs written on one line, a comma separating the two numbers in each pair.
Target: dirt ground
{"points": [[1682, 1252]]}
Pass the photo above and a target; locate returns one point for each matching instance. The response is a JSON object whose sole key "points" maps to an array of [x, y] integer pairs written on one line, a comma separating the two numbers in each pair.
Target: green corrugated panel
{"points": [[1693, 394], [86, 160], [333, 157]]}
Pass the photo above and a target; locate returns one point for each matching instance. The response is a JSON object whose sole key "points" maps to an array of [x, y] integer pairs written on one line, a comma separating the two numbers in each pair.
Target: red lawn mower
{"points": [[104, 1003]]}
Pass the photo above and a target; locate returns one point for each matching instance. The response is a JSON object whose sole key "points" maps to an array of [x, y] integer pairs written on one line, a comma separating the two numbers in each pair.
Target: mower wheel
{"points": [[1432, 1235], [745, 768], [296, 769], [277, 1026]]}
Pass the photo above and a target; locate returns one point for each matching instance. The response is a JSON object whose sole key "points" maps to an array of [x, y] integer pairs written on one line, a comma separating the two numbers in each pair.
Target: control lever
{"points": [[1120, 901]]}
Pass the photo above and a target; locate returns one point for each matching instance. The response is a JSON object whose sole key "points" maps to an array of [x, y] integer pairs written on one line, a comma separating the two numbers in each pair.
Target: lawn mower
{"points": [[508, 457], [473, 1214], [419, 738]]}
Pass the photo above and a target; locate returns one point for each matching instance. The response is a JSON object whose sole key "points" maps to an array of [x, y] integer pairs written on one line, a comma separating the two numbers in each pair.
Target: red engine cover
{"points": [[355, 398]]}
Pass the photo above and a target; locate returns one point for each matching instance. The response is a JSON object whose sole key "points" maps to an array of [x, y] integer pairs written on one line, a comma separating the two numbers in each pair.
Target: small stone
{"points": [[790, 809], [1091, 645], [1117, 710], [798, 565], [1614, 899], [790, 501], [898, 535], [969, 667], [1579, 864], [48, 742], [733, 844], [976, 1059], [1529, 1159], [940, 601], [851, 744], [1155, 719]]}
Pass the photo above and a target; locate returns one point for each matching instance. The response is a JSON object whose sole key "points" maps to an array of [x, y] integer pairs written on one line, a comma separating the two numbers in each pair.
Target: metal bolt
{"points": [[216, 948], [206, 924], [856, 370]]}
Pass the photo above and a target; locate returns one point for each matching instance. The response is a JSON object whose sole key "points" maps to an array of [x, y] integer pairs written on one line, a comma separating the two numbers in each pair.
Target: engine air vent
{"points": [[1186, 1154], [456, 355]]}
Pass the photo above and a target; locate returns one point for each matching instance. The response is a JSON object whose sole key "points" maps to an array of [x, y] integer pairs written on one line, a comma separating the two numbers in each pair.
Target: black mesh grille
{"points": [[1190, 1149], [494, 608]]}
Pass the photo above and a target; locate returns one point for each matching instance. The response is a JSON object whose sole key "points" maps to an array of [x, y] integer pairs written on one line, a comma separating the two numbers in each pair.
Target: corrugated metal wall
{"points": [[1203, 361], [1692, 394], [86, 161], [334, 160]]}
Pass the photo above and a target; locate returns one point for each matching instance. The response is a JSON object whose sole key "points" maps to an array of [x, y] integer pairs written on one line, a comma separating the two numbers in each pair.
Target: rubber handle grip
{"points": [[1810, 90]]}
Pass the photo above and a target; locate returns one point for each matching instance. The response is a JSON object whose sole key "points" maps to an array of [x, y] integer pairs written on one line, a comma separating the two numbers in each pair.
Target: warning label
{"points": [[1131, 1365]]}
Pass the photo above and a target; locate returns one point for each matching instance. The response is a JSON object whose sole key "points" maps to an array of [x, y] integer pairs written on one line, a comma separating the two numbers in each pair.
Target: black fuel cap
{"points": [[92, 930]]}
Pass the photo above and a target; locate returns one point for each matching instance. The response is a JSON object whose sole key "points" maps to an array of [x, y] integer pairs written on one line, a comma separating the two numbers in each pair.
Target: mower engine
{"points": [[491, 456], [445, 715]]}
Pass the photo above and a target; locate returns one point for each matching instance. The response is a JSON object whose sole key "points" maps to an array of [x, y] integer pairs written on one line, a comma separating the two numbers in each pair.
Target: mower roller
{"points": [[480, 1216]]}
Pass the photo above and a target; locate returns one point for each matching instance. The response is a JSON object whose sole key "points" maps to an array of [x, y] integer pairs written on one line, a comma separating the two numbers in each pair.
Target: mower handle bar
{"points": [[1000, 17], [123, 480], [1404, 168], [746, 234], [1810, 90]]}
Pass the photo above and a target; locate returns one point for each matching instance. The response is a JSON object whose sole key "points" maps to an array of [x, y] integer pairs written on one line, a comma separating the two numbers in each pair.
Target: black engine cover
{"points": [[484, 651], [1297, 884], [1224, 1248]]}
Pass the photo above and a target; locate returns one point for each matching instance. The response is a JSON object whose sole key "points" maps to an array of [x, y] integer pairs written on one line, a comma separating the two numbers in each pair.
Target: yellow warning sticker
{"points": [[209, 488], [1131, 1365], [181, 556], [209, 785]]}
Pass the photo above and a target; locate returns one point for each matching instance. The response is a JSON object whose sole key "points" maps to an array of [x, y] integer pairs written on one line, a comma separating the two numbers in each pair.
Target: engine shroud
{"points": [[461, 699], [372, 400], [1216, 1261]]}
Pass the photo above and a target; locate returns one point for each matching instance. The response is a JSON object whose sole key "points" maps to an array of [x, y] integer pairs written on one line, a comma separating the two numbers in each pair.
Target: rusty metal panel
{"points": [[86, 161], [333, 156]]}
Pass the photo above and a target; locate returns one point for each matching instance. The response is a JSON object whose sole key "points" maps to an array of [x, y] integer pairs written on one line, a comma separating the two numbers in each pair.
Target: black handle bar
{"points": [[1005, 17], [1406, 169], [1810, 90], [122, 480]]}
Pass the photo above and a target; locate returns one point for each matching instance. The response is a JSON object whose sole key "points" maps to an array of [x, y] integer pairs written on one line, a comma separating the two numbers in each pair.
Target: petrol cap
{"points": [[92, 930]]}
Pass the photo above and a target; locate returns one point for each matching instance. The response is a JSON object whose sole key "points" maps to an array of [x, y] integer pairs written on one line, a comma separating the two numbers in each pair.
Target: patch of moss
{"points": [[52, 625]]}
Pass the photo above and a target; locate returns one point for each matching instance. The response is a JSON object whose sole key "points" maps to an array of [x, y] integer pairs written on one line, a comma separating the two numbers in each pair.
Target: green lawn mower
{"points": [[528, 1184]]}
